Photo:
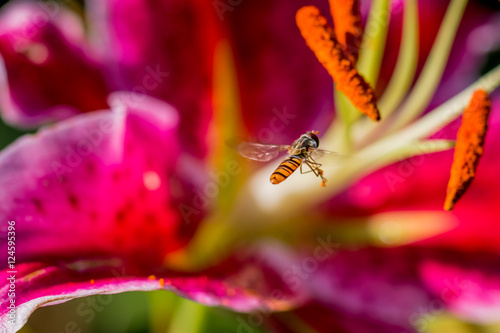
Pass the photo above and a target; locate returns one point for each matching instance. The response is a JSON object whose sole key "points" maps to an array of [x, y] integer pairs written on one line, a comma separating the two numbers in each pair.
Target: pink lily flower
{"points": [[116, 197]]}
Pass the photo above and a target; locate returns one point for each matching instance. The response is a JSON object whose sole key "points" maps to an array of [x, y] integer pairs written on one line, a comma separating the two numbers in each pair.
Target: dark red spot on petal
{"points": [[38, 205], [120, 217], [73, 201]]}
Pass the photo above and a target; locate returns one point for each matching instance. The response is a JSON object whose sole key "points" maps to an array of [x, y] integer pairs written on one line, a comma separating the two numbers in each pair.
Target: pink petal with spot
{"points": [[47, 74], [98, 184]]}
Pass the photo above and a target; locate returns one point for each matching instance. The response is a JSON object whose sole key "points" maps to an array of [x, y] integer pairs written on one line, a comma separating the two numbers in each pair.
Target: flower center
{"points": [[257, 207]]}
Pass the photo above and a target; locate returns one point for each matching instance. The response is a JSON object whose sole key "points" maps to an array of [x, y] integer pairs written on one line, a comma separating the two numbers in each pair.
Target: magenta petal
{"points": [[249, 284], [402, 286], [48, 75], [469, 285], [285, 91], [98, 184], [378, 284], [162, 49], [324, 318]]}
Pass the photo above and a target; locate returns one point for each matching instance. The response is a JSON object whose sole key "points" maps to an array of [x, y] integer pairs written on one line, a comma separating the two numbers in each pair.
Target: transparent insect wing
{"points": [[327, 157], [260, 151]]}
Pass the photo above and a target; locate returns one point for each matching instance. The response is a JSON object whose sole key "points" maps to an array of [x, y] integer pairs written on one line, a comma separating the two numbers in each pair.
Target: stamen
{"points": [[469, 147], [347, 25], [321, 40]]}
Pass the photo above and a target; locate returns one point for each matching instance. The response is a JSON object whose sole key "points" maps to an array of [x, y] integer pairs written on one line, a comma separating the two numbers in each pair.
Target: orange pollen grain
{"points": [[152, 277], [92, 281], [162, 282], [469, 147], [321, 40], [347, 25]]}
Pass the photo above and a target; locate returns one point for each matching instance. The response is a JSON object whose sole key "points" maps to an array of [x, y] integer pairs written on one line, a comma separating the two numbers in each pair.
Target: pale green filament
{"points": [[437, 118], [414, 148], [373, 44], [401, 80], [432, 72], [370, 59], [406, 65]]}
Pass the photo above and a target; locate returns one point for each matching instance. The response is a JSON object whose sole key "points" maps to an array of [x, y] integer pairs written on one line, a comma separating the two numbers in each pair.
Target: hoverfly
{"points": [[303, 151]]}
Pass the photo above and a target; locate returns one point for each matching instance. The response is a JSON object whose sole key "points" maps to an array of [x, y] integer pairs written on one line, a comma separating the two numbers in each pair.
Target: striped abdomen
{"points": [[285, 169]]}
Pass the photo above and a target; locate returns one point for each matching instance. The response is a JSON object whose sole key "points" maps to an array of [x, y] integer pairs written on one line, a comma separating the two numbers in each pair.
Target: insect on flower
{"points": [[303, 151]]}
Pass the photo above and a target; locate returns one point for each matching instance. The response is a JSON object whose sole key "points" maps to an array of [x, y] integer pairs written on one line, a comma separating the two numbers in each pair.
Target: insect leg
{"points": [[311, 160], [303, 172], [315, 167]]}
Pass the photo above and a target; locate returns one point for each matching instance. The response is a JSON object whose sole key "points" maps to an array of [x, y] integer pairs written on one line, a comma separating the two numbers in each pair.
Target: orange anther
{"points": [[347, 25], [469, 147], [321, 40]]}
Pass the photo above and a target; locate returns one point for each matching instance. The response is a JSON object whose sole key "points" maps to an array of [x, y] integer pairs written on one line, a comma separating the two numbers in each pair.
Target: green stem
{"points": [[162, 306], [188, 318]]}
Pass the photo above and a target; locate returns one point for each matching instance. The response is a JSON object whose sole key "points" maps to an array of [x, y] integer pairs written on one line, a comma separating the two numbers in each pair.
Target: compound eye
{"points": [[315, 138]]}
